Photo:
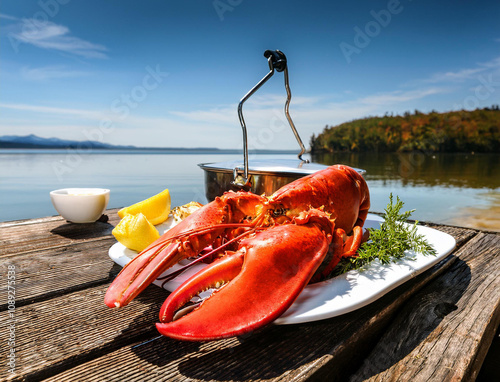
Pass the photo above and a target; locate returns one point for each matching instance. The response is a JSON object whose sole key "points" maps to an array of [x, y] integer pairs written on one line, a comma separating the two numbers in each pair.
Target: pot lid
{"points": [[268, 167]]}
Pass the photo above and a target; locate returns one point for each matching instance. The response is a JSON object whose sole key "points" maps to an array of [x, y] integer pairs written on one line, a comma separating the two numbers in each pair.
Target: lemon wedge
{"points": [[135, 232], [155, 208]]}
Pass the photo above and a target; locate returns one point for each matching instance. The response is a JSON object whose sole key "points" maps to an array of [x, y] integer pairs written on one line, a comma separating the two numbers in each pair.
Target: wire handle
{"points": [[277, 61]]}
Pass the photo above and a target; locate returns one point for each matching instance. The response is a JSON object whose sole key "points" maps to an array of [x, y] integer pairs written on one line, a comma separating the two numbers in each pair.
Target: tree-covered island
{"points": [[455, 131]]}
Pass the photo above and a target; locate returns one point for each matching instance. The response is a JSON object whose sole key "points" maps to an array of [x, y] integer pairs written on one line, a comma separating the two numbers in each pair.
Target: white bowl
{"points": [[80, 205]]}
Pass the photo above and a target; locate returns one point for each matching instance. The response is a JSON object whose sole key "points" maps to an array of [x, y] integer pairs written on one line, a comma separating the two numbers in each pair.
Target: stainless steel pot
{"points": [[259, 176], [264, 176]]}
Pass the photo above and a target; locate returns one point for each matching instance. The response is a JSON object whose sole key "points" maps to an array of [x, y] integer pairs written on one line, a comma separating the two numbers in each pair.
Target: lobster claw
{"points": [[261, 281]]}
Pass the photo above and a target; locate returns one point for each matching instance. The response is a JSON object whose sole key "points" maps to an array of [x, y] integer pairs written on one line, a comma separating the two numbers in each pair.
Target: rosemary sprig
{"points": [[389, 242]]}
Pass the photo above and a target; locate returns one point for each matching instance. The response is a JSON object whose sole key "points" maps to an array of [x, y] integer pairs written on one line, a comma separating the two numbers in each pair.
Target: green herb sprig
{"points": [[389, 242]]}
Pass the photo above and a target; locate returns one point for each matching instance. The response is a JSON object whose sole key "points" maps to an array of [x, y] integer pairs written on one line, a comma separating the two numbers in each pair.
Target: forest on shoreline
{"points": [[455, 131]]}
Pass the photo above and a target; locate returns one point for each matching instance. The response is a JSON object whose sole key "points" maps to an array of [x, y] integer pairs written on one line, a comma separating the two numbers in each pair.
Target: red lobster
{"points": [[269, 248]]}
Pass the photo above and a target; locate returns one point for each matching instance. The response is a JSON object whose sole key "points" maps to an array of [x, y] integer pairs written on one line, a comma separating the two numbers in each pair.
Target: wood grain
{"points": [[461, 235], [274, 353], [24, 236], [52, 256], [50, 272], [74, 327], [443, 333], [64, 332]]}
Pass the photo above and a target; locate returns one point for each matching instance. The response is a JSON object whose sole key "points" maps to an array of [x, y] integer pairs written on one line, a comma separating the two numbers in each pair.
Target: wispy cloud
{"points": [[7, 17], [371, 103], [398, 96], [224, 114], [51, 36], [461, 75], [277, 100], [464, 74], [267, 126], [49, 72], [492, 64], [90, 114]]}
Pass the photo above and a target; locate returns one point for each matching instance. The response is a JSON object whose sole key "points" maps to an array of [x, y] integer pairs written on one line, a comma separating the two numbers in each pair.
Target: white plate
{"points": [[342, 294]]}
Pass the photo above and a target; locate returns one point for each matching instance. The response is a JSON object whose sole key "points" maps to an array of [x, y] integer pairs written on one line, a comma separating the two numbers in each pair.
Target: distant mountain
{"points": [[33, 141]]}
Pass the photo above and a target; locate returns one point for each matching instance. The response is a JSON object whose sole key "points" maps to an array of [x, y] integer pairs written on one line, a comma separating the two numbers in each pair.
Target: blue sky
{"points": [[171, 73]]}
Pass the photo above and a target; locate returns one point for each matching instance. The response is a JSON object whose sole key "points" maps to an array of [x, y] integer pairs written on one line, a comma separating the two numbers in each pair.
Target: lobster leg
{"points": [[353, 243], [340, 249], [276, 265]]}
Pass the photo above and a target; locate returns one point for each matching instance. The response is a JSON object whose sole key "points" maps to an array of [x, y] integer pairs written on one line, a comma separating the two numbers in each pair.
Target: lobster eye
{"points": [[279, 212]]}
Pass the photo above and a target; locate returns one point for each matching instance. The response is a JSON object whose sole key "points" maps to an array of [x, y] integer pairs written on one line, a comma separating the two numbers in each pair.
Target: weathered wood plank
{"points": [[64, 334], [461, 235], [445, 330], [31, 235], [277, 352], [281, 353], [54, 271], [77, 326], [163, 359]]}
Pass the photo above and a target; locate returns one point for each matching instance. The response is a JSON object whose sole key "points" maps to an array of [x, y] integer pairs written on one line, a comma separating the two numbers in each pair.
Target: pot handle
{"points": [[277, 61]]}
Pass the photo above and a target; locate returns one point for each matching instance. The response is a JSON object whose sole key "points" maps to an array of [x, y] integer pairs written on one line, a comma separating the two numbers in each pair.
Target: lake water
{"points": [[459, 189]]}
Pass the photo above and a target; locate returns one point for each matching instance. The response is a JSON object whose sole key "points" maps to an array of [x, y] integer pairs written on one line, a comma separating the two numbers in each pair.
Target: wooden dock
{"points": [[436, 327]]}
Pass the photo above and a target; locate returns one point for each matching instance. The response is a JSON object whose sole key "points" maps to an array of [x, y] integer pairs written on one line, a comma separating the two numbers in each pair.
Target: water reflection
{"points": [[419, 169], [459, 189], [482, 217]]}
